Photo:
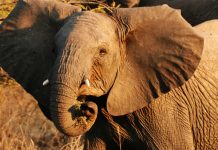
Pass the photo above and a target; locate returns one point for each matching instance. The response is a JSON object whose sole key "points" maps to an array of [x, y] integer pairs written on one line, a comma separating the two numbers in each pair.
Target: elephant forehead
{"points": [[92, 24], [92, 19], [88, 27]]}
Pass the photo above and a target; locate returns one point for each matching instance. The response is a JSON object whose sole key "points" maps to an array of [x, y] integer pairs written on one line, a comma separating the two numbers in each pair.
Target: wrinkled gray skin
{"points": [[194, 11], [137, 62]]}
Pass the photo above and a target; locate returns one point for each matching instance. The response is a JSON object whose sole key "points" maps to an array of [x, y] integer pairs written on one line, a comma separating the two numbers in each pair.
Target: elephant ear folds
{"points": [[162, 52], [27, 41]]}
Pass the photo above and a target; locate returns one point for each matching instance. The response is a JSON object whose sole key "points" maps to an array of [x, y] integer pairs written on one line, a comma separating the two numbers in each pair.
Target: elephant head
{"points": [[123, 59]]}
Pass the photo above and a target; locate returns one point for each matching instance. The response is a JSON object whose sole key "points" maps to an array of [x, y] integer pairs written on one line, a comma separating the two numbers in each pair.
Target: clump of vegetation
{"points": [[5, 8], [96, 6]]}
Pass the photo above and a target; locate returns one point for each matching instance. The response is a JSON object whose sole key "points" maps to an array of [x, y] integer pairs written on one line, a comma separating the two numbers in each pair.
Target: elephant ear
{"points": [[27, 42], [162, 52]]}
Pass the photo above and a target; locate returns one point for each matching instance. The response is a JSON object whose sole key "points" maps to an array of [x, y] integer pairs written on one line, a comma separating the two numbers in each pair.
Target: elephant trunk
{"points": [[70, 113]]}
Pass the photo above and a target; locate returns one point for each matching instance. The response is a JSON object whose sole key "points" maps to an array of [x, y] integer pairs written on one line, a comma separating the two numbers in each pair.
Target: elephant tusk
{"points": [[87, 82], [46, 82]]}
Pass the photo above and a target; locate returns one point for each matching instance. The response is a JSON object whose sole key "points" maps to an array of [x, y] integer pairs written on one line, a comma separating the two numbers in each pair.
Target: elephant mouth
{"points": [[82, 109], [100, 101], [91, 94]]}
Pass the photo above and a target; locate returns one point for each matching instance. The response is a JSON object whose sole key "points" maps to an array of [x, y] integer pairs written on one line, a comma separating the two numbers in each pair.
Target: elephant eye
{"points": [[102, 51]]}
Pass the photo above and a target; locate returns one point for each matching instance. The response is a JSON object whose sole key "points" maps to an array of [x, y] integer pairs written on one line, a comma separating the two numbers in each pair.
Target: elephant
{"points": [[194, 11], [130, 78]]}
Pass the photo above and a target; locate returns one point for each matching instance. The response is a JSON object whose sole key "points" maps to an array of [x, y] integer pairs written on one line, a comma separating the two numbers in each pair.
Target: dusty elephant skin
{"points": [[136, 78], [194, 11]]}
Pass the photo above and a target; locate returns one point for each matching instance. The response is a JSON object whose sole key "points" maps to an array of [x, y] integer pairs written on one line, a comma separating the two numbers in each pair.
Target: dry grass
{"points": [[22, 124]]}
